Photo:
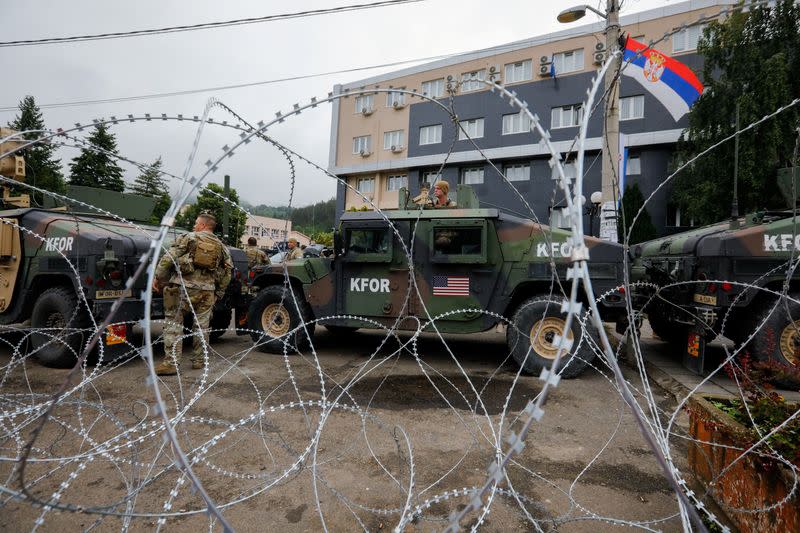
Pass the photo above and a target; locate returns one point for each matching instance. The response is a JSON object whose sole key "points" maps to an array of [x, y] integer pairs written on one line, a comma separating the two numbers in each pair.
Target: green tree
{"points": [[98, 168], [751, 59], [151, 183], [632, 203], [210, 199], [42, 168]]}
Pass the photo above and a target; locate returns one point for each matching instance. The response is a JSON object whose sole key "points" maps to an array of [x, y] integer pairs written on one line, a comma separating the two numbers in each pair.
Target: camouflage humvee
{"points": [[48, 257], [471, 266], [725, 279]]}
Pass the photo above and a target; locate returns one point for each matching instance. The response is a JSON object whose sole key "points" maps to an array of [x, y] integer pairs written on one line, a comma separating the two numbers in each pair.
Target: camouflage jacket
{"points": [[177, 265], [255, 256], [294, 253]]}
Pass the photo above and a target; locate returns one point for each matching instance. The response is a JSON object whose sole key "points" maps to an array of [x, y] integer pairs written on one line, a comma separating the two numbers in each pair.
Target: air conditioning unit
{"points": [[494, 74], [599, 58], [544, 59], [599, 47], [364, 153], [544, 70], [398, 105], [366, 111], [397, 148]]}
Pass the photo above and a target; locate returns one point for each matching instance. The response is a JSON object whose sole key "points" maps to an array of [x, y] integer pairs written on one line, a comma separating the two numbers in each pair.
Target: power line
{"points": [[205, 26], [221, 87]]}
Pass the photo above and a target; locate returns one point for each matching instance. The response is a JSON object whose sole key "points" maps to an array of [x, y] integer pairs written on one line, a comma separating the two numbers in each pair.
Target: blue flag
{"points": [[552, 68]]}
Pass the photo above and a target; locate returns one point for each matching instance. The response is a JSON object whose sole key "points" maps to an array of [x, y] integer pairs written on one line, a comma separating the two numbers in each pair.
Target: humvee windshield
{"points": [[368, 241]]}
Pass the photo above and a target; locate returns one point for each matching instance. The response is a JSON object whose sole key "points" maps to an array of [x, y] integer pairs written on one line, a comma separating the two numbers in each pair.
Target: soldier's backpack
{"points": [[206, 254]]}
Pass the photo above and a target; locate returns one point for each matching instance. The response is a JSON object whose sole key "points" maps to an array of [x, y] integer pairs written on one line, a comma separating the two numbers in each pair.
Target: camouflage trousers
{"points": [[176, 307]]}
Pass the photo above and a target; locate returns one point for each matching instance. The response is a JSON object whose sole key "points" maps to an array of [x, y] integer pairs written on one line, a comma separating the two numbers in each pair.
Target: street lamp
{"points": [[593, 209], [608, 216]]}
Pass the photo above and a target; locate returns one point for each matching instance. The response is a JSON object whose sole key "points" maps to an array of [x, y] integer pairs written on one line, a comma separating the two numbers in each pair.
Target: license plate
{"points": [[116, 334], [122, 293], [705, 299]]}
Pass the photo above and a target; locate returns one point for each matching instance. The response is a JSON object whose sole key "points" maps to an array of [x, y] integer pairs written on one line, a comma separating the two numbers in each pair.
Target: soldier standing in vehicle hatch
{"points": [[193, 275], [255, 255]]}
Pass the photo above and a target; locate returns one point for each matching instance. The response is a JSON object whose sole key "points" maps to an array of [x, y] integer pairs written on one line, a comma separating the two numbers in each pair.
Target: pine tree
{"points": [[632, 203], [42, 168], [97, 167], [150, 182]]}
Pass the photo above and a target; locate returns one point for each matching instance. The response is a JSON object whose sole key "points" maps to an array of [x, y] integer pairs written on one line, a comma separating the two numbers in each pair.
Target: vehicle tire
{"points": [[779, 338], [529, 338], [273, 314], [675, 334], [341, 331], [57, 307], [219, 323]]}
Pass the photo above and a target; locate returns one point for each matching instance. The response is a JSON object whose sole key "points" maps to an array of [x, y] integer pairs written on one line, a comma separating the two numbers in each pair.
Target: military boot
{"points": [[198, 364], [166, 369]]}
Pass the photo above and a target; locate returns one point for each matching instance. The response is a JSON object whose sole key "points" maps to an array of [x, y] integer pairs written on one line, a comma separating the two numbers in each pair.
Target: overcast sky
{"points": [[242, 54]]}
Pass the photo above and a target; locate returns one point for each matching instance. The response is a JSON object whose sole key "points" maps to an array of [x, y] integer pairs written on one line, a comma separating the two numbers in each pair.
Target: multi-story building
{"points": [[383, 141], [266, 230]]}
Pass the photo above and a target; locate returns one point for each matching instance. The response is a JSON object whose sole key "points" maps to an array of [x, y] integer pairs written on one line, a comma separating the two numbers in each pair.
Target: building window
{"points": [[430, 134], [393, 98], [430, 177], [394, 183], [687, 38], [361, 144], [633, 167], [631, 107], [393, 140], [567, 116], [365, 185], [470, 129], [433, 88], [516, 123], [571, 61], [517, 172], [364, 103], [471, 81], [519, 71], [472, 176]]}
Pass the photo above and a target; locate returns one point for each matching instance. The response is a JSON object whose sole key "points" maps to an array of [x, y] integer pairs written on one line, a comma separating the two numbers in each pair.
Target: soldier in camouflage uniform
{"points": [[255, 255], [203, 272], [294, 251]]}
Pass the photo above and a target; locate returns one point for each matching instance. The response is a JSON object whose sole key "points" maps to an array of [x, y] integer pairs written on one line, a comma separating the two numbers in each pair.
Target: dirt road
{"points": [[344, 440]]}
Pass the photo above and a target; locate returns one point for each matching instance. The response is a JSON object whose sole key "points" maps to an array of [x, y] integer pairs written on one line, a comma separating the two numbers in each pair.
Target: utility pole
{"points": [[611, 148], [735, 203], [226, 211]]}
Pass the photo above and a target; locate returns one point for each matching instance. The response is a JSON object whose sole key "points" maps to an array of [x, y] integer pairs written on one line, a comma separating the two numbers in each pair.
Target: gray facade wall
{"points": [[540, 191]]}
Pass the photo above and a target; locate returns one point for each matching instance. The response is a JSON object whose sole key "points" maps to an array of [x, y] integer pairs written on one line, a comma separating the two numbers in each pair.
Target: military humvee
{"points": [[100, 253], [464, 260], [728, 273]]}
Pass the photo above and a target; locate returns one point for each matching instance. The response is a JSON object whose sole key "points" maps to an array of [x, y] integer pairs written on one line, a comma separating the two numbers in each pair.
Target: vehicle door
{"points": [[372, 273], [456, 267]]}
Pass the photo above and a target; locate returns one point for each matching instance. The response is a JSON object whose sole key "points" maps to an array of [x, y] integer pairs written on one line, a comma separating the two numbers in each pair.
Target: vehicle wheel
{"points": [[530, 339], [779, 339], [273, 314], [57, 309], [341, 331], [219, 323], [672, 333]]}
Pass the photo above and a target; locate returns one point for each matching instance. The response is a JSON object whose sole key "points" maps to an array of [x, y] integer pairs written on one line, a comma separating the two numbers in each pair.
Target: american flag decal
{"points": [[451, 285]]}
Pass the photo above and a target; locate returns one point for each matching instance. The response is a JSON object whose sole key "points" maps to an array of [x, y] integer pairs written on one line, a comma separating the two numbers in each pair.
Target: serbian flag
{"points": [[669, 80]]}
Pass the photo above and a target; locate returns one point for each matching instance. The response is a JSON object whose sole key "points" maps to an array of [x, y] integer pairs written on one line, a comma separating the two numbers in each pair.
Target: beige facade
{"points": [[302, 238], [266, 230], [372, 115]]}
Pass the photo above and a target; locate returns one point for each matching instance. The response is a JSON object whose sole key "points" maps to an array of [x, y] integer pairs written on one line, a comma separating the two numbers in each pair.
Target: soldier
{"points": [[203, 272], [440, 191], [294, 251], [255, 256]]}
